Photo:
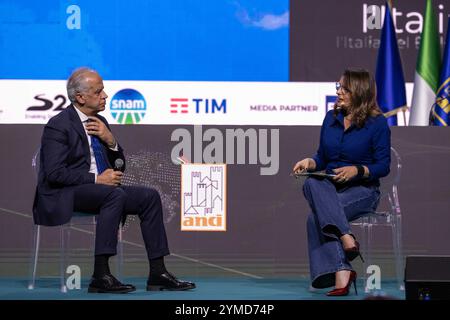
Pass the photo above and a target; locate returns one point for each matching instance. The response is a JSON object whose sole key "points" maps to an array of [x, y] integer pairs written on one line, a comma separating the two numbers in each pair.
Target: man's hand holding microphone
{"points": [[112, 177]]}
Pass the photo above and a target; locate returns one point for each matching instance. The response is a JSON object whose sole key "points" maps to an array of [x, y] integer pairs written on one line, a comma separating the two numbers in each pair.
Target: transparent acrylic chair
{"points": [[78, 219], [391, 217]]}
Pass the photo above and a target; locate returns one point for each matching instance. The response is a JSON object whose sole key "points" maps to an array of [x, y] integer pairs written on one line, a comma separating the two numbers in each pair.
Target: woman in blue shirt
{"points": [[355, 146]]}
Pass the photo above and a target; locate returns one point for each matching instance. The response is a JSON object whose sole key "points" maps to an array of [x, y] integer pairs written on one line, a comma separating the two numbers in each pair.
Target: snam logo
{"points": [[128, 106]]}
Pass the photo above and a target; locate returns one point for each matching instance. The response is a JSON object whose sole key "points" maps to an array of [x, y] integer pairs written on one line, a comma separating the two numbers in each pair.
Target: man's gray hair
{"points": [[76, 83]]}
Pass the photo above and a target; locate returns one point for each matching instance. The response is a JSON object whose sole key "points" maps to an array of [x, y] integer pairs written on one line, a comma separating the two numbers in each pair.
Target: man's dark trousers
{"points": [[112, 203]]}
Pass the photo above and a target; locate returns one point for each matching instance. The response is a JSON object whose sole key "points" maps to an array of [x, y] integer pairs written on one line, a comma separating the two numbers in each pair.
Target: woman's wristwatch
{"points": [[360, 169]]}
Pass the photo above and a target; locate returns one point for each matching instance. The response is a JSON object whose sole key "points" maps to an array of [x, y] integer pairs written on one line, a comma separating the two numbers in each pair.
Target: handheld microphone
{"points": [[118, 165]]}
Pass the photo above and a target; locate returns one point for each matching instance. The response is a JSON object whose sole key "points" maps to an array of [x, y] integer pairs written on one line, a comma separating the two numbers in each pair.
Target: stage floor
{"points": [[207, 289]]}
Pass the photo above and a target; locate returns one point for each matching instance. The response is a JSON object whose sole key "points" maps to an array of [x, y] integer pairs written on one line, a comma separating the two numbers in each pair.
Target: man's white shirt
{"points": [[93, 169]]}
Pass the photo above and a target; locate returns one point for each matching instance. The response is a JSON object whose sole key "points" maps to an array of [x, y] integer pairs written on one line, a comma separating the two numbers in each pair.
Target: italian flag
{"points": [[428, 66]]}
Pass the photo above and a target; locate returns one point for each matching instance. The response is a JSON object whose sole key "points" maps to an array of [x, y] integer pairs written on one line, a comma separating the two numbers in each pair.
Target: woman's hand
{"points": [[344, 174], [307, 164]]}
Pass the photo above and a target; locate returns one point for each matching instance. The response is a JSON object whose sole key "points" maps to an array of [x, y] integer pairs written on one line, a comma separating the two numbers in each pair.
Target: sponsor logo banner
{"points": [[179, 102]]}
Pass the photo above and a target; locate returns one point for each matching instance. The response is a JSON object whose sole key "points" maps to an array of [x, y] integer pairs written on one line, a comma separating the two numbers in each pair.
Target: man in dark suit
{"points": [[78, 151]]}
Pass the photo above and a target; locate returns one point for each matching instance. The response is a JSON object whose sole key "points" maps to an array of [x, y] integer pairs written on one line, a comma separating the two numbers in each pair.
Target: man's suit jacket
{"points": [[65, 161]]}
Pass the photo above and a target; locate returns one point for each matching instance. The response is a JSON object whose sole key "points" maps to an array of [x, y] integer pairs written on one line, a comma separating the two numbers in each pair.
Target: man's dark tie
{"points": [[102, 165]]}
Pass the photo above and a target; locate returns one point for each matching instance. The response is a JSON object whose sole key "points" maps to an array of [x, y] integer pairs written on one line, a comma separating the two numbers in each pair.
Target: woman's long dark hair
{"points": [[363, 96]]}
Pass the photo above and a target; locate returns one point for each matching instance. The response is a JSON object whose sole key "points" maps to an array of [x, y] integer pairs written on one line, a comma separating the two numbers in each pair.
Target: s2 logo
{"points": [[59, 100]]}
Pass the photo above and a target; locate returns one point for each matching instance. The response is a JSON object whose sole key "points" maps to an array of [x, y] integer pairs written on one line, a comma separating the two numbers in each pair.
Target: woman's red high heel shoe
{"points": [[344, 291]]}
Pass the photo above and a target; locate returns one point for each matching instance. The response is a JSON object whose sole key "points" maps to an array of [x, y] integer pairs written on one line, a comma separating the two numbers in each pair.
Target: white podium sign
{"points": [[203, 197]]}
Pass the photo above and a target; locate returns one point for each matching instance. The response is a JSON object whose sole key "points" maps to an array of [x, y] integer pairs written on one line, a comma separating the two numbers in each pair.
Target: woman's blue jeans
{"points": [[331, 212]]}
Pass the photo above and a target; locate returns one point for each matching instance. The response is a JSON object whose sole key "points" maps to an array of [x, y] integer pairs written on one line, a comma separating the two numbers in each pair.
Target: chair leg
{"points": [[119, 258], [368, 251], [398, 252], [363, 249], [62, 259], [34, 256]]}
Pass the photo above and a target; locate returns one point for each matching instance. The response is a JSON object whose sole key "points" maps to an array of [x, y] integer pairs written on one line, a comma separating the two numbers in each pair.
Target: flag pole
{"points": [[404, 108]]}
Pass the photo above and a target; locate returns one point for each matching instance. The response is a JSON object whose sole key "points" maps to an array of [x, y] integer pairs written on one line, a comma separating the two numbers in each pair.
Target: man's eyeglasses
{"points": [[345, 90]]}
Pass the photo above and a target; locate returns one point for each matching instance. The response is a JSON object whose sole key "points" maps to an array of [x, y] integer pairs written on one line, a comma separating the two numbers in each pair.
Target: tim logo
{"points": [[128, 106], [179, 105], [329, 102], [197, 105], [203, 197]]}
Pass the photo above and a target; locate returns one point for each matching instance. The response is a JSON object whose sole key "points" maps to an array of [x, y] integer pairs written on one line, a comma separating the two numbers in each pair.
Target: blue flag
{"points": [[391, 92], [441, 108]]}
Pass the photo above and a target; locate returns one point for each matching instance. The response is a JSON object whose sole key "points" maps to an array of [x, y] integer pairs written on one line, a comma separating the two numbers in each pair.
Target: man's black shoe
{"points": [[109, 284], [167, 281]]}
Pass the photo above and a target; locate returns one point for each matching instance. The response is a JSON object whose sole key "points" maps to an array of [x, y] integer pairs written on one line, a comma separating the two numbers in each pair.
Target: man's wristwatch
{"points": [[113, 145]]}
